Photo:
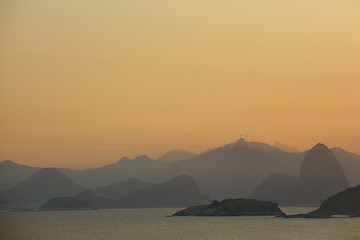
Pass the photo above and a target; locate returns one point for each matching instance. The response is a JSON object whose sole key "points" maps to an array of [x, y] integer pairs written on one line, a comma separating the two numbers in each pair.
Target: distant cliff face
{"points": [[321, 176]]}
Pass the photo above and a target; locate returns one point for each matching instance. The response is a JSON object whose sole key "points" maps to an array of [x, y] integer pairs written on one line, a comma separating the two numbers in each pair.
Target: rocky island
{"points": [[233, 207]]}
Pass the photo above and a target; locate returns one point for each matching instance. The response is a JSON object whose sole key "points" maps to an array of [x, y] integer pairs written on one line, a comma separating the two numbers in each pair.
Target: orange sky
{"points": [[83, 83]]}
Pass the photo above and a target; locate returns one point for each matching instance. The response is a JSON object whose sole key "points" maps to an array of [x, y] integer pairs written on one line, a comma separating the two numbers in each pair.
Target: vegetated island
{"points": [[233, 207], [346, 202]]}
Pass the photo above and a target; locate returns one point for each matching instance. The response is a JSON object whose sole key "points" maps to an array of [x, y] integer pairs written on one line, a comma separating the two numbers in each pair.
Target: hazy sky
{"points": [[83, 83]]}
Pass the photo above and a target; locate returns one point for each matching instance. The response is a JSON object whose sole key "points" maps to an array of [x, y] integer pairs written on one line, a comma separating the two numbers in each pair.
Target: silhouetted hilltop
{"points": [[175, 155], [142, 158], [139, 159], [13, 173], [118, 190], [124, 159], [8, 163], [320, 165], [85, 200], [321, 176], [233, 207], [179, 191], [45, 184]]}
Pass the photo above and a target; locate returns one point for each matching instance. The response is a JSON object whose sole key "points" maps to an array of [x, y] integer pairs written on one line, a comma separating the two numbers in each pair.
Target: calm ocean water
{"points": [[152, 224]]}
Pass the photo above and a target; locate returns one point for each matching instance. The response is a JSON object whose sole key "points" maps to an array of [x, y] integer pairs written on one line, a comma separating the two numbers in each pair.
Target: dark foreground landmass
{"points": [[233, 207], [346, 202]]}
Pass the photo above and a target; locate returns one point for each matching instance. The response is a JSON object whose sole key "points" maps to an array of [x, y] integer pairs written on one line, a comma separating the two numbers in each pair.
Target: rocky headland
{"points": [[345, 203]]}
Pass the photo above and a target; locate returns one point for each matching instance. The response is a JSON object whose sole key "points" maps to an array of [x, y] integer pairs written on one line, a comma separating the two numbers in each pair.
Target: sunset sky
{"points": [[85, 82]]}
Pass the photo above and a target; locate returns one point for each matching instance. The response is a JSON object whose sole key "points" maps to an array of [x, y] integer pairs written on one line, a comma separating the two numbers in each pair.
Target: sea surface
{"points": [[141, 224]]}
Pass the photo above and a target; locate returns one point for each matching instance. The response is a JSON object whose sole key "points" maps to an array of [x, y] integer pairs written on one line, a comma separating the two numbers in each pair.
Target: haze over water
{"points": [[152, 224]]}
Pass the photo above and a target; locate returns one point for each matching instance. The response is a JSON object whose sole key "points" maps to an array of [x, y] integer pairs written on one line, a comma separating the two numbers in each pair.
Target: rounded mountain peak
{"points": [[320, 147], [241, 143], [320, 166], [142, 158]]}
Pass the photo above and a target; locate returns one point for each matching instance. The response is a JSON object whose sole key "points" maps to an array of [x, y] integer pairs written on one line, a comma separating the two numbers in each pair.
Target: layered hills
{"points": [[321, 176], [141, 167], [236, 169], [85, 200], [46, 183], [231, 171], [119, 189], [12, 173], [178, 192]]}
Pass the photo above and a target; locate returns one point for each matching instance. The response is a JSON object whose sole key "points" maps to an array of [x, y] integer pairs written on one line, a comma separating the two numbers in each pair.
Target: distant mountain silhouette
{"points": [[141, 167], [281, 188], [285, 148], [13, 173], [236, 169], [178, 192], [85, 200], [229, 171], [175, 155], [45, 184], [321, 175], [118, 190]]}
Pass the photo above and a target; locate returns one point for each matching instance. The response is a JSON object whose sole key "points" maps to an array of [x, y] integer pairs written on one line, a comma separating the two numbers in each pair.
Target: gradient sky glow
{"points": [[83, 83]]}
